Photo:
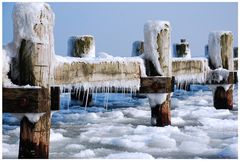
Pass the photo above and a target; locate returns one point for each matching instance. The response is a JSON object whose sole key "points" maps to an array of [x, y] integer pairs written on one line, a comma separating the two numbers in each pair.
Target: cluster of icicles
{"points": [[83, 92]]}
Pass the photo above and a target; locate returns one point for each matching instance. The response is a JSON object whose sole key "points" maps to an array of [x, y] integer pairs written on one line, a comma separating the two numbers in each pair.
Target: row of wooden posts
{"points": [[34, 138], [34, 62]]}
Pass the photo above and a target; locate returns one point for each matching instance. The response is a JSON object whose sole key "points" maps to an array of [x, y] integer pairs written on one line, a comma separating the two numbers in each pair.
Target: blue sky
{"points": [[116, 26]]}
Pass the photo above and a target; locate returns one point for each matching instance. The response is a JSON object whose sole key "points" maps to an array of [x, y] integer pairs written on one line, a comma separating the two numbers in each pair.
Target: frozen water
{"points": [[198, 130]]}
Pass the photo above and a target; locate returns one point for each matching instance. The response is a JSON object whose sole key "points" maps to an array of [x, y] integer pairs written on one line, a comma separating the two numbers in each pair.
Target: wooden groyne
{"points": [[154, 73]]}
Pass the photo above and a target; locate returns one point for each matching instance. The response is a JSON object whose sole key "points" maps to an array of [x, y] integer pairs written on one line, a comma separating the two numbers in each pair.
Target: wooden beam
{"points": [[182, 66], [25, 100], [81, 70], [157, 84], [30, 100]]}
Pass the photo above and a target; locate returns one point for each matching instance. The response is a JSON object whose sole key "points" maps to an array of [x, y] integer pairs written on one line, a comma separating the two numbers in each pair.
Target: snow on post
{"points": [[220, 49], [157, 46], [33, 50], [158, 62], [33, 43], [5, 69], [137, 48], [81, 46], [183, 50]]}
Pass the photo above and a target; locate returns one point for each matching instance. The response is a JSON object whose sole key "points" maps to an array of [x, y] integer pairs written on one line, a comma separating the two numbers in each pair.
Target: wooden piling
{"points": [[137, 48], [182, 50], [222, 98], [82, 46], [34, 62], [34, 137], [160, 113]]}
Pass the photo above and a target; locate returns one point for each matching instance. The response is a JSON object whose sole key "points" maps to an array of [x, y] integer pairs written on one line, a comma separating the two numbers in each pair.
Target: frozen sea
{"points": [[198, 130]]}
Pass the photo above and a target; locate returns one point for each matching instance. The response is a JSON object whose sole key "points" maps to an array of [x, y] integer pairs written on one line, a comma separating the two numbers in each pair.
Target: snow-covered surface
{"points": [[195, 74], [26, 16], [188, 51], [198, 130], [156, 99], [5, 69], [34, 22], [218, 75], [214, 47], [102, 58], [151, 31], [103, 55], [32, 117], [190, 78]]}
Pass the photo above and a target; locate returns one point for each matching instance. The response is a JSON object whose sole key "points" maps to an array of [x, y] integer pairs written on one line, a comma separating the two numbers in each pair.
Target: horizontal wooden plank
{"points": [[157, 84], [26, 100], [181, 66], [83, 70]]}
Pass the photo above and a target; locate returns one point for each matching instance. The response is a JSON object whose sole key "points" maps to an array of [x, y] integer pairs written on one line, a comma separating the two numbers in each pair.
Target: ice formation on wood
{"points": [[218, 75], [5, 69], [137, 48], [220, 49], [156, 99], [32, 117], [81, 46], [192, 70], [33, 23], [182, 49], [33, 34], [96, 72], [157, 45]]}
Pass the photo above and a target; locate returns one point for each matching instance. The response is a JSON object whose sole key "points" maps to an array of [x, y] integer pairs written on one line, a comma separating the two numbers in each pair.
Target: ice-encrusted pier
{"points": [[30, 60]]}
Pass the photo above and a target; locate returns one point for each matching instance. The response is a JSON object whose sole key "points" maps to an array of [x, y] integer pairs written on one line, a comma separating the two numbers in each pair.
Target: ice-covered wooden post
{"points": [[220, 49], [34, 41], [137, 48], [83, 47], [157, 54], [235, 59], [183, 51]]}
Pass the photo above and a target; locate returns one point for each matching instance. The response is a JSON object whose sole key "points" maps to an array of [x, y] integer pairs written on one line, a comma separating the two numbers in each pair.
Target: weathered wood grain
{"points": [[157, 84], [25, 100]]}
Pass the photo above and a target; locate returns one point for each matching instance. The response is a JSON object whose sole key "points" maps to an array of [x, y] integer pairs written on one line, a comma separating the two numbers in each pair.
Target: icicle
{"points": [[107, 98], [86, 99]]}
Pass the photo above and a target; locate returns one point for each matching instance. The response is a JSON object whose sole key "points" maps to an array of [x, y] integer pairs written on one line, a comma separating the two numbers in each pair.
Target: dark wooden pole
{"points": [[34, 137], [223, 99], [161, 113]]}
